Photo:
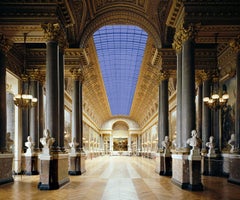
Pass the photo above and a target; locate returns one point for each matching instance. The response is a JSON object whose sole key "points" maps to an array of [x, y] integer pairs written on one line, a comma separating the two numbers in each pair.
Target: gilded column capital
{"points": [[5, 44], [52, 32], [203, 75], [177, 41], [24, 77], [164, 75], [77, 74], [235, 44], [34, 75], [62, 41], [188, 33]]}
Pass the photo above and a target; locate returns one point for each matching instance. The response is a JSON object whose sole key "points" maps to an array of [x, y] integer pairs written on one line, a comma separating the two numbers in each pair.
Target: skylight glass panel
{"points": [[120, 50]]}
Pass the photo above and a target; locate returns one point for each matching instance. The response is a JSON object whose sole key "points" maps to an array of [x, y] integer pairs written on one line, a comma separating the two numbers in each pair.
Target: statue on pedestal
{"points": [[195, 142], [47, 142], [30, 145], [211, 146], [231, 142], [73, 145], [166, 145]]}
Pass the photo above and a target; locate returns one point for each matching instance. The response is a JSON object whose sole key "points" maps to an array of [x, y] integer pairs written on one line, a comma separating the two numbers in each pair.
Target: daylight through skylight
{"points": [[120, 50]]}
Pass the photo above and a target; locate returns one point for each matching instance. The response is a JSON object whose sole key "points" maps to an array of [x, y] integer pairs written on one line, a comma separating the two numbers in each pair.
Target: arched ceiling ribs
{"points": [[121, 17]]}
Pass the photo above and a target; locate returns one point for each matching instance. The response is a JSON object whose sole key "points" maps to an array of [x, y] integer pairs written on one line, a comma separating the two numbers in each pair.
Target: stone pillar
{"points": [[31, 157], [25, 112], [199, 107], [186, 111], [33, 117], [54, 164], [61, 92], [77, 158], [206, 115], [6, 158], [165, 157], [234, 176], [41, 115]]}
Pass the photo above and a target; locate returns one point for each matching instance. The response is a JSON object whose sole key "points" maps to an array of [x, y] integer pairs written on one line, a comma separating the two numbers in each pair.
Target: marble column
{"points": [[6, 158], [41, 115], [183, 167], [234, 176], [165, 157], [206, 116], [77, 156], [31, 157], [54, 163], [33, 117], [61, 95], [179, 142], [199, 108]]}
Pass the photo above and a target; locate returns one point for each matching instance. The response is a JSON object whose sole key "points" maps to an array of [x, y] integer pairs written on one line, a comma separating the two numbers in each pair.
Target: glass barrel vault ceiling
{"points": [[120, 50]]}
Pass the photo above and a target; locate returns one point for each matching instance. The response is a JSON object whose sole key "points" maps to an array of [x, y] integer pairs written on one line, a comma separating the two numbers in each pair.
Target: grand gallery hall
{"points": [[119, 99]]}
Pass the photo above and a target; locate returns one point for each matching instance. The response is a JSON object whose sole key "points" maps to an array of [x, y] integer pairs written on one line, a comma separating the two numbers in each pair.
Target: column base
{"points": [[234, 175], [6, 161], [54, 171]]}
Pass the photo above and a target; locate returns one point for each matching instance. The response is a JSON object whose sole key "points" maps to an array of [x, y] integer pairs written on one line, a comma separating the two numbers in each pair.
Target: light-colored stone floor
{"points": [[119, 178]]}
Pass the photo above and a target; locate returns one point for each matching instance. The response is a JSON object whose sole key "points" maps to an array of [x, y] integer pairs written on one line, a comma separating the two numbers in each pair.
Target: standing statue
{"points": [[211, 146], [231, 142], [9, 142], [195, 142], [47, 142], [30, 145]]}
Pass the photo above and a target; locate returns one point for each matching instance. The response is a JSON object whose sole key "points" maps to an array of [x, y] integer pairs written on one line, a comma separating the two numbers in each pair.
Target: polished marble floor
{"points": [[119, 178]]}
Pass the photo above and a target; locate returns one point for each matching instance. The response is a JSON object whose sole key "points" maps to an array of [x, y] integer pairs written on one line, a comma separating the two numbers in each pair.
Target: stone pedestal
{"points": [[6, 161], [163, 164], [234, 172], [180, 170], [226, 164], [195, 183], [31, 165], [53, 171], [77, 163], [212, 166]]}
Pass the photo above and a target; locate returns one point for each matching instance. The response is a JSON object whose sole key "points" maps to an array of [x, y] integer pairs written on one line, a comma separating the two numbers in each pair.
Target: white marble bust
{"points": [[73, 145], [211, 146], [30, 145], [47, 141], [195, 142], [231, 142]]}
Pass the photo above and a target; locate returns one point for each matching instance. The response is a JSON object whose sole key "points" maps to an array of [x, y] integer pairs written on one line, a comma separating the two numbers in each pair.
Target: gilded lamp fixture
{"points": [[218, 99], [24, 100]]}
